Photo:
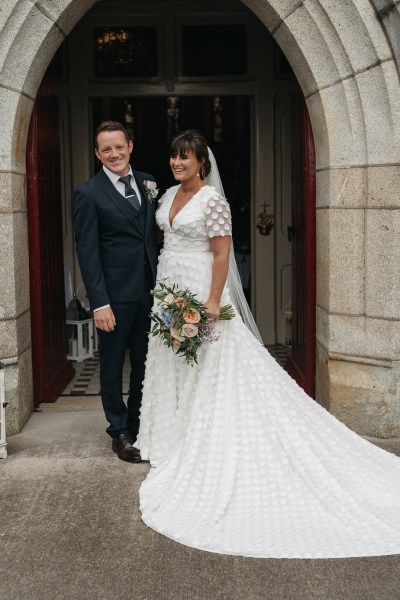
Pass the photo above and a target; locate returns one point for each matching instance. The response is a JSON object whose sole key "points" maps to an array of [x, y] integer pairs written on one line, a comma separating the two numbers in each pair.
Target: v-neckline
{"points": [[170, 223]]}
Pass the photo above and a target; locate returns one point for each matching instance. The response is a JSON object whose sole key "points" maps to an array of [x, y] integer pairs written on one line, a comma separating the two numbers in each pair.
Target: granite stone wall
{"points": [[30, 33], [344, 55]]}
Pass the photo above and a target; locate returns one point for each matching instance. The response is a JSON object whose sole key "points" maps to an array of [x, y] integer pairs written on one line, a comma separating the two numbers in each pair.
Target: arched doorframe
{"points": [[353, 101]]}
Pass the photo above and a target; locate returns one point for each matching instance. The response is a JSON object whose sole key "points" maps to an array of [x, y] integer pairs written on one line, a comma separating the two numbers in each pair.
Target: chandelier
{"points": [[115, 45]]}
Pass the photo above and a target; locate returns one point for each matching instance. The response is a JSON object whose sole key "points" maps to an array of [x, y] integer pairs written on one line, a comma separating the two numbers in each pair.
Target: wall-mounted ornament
{"points": [[217, 119], [265, 221], [173, 114], [129, 119]]}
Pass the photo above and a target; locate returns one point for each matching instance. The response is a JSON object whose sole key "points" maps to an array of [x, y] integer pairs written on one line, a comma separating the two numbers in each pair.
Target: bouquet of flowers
{"points": [[182, 322]]}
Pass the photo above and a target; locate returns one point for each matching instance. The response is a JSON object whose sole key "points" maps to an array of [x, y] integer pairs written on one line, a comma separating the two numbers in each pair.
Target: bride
{"points": [[243, 461]]}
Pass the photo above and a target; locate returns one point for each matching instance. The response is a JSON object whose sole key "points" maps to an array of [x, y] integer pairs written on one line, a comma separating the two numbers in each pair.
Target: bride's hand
{"points": [[212, 309]]}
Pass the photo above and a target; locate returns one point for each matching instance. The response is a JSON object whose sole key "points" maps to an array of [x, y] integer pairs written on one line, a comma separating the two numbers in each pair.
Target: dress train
{"points": [[243, 461]]}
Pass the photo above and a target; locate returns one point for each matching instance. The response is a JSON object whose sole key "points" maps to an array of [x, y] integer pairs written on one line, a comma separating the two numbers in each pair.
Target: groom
{"points": [[115, 239]]}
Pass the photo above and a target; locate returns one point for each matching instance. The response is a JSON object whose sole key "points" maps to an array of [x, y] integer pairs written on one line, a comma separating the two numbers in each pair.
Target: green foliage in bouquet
{"points": [[182, 322]]}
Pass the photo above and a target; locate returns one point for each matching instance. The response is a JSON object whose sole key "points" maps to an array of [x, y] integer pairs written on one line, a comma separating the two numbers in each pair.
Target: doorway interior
{"points": [[160, 69]]}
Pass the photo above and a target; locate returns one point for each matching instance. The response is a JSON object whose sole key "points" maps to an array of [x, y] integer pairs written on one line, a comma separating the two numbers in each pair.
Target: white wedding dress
{"points": [[244, 462]]}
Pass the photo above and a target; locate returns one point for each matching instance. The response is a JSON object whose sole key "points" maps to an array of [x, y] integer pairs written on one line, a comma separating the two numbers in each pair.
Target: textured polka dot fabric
{"points": [[243, 461], [218, 216]]}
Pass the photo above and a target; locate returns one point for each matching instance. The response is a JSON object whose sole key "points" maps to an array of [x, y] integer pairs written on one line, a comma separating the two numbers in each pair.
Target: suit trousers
{"points": [[131, 332]]}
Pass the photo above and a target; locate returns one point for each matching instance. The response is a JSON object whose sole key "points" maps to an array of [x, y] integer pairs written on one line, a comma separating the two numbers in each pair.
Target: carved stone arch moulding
{"points": [[345, 65]]}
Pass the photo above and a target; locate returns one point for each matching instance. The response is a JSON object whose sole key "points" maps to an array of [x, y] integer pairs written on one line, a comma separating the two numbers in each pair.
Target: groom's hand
{"points": [[104, 319]]}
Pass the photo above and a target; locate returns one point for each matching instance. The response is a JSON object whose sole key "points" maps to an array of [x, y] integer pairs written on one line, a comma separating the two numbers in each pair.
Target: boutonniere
{"points": [[151, 190]]}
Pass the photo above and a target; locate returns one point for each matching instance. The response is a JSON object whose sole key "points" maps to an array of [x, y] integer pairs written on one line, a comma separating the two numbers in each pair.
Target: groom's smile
{"points": [[113, 151]]}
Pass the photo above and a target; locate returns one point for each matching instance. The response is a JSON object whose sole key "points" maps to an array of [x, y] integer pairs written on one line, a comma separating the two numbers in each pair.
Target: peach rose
{"points": [[189, 330], [191, 316], [176, 335], [176, 343]]}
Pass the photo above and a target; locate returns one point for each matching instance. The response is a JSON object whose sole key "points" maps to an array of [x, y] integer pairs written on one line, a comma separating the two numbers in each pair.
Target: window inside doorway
{"points": [[126, 52], [152, 121], [210, 50]]}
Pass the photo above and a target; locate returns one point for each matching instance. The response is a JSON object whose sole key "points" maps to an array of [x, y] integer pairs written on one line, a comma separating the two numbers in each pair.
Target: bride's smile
{"points": [[185, 167]]}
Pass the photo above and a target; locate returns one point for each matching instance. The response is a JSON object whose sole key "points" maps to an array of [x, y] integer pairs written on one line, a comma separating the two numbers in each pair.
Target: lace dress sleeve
{"points": [[218, 217]]}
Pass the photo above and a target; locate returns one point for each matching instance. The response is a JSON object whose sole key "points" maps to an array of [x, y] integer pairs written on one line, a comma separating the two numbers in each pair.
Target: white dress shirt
{"points": [[113, 177]]}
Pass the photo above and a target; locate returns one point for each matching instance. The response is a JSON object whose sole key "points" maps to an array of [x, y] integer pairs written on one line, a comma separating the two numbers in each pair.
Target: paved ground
{"points": [[70, 529]]}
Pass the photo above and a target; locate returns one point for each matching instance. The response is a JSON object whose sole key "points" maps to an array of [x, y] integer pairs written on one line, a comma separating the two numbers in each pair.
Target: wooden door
{"points": [[283, 216], [51, 370], [301, 364]]}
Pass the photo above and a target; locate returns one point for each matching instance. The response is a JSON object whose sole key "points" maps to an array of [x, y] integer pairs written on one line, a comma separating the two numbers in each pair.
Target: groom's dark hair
{"points": [[191, 139], [110, 126]]}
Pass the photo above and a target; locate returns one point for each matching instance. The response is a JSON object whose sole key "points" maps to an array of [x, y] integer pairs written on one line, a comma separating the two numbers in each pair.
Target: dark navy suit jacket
{"points": [[114, 249]]}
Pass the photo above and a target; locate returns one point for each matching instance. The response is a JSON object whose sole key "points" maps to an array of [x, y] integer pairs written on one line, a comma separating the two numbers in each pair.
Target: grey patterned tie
{"points": [[130, 193]]}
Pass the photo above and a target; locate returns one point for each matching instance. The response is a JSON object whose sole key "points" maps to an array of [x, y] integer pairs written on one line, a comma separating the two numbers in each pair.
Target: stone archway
{"points": [[30, 33], [346, 68], [353, 100]]}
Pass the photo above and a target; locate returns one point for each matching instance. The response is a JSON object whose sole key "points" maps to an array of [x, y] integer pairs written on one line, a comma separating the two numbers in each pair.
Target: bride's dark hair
{"points": [[191, 139]]}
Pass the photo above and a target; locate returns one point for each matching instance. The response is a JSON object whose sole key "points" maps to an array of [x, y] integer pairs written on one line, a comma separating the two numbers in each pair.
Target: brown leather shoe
{"points": [[122, 445]]}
